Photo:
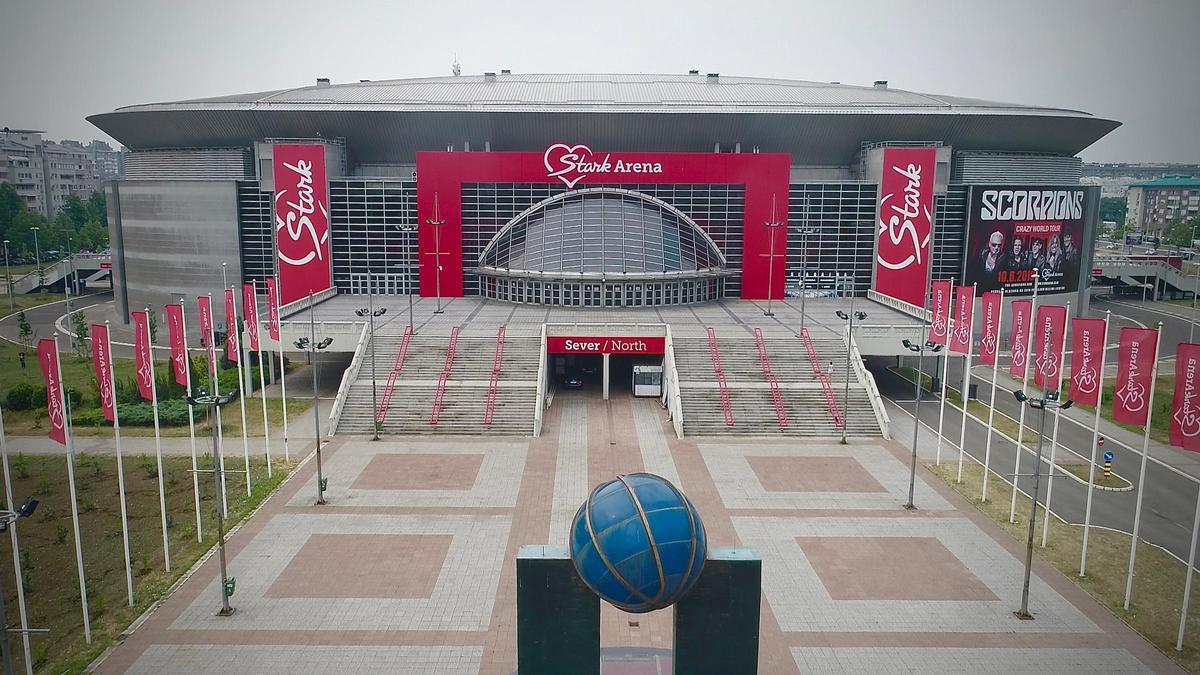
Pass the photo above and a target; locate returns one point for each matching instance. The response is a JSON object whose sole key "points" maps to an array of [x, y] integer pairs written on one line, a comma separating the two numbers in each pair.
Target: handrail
{"points": [[393, 375], [830, 399], [868, 381], [490, 404], [764, 361], [540, 400], [447, 365], [348, 377], [722, 385], [671, 378]]}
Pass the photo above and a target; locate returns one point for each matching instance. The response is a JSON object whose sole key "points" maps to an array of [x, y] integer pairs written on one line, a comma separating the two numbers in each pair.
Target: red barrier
{"points": [[830, 399], [447, 365], [764, 360], [390, 387], [489, 406], [722, 385]]}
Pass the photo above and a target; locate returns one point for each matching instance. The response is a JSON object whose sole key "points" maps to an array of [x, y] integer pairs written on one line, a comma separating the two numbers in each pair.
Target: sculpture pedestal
{"points": [[558, 616]]}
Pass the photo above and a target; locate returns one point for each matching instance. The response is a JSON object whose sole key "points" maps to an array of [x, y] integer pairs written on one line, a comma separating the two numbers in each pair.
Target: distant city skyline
{"points": [[1117, 59]]}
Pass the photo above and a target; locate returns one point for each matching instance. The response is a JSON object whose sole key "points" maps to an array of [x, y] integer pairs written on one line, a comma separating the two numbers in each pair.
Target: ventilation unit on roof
{"points": [[322, 81], [881, 84], [489, 77], [505, 71], [693, 72], [713, 77]]}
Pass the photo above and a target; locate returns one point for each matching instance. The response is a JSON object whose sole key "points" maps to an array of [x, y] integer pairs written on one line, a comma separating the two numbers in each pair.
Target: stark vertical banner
{"points": [[301, 220], [905, 223]]}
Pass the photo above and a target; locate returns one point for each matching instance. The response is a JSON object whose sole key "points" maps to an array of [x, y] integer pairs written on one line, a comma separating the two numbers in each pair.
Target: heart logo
{"points": [[562, 162]]}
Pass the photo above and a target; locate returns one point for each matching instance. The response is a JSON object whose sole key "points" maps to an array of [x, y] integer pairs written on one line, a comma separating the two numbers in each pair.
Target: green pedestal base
{"points": [[558, 617], [716, 624]]}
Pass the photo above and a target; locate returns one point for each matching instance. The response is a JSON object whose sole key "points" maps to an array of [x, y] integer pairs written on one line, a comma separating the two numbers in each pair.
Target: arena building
{"points": [[584, 190]]}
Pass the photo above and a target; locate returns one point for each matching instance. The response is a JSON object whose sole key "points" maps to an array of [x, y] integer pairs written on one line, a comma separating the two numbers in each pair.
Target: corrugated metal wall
{"points": [[215, 164], [986, 167]]}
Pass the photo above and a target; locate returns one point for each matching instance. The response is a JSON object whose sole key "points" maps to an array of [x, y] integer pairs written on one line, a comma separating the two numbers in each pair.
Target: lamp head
{"points": [[302, 343], [362, 311], [860, 315], [908, 344], [325, 343], [1067, 404], [381, 311], [935, 348], [1020, 396], [27, 508], [842, 315]]}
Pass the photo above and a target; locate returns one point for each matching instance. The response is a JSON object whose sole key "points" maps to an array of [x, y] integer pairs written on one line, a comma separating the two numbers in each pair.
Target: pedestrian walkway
{"points": [[410, 568]]}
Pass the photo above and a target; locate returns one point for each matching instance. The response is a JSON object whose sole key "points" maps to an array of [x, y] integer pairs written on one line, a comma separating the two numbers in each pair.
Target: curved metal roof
{"points": [[389, 120]]}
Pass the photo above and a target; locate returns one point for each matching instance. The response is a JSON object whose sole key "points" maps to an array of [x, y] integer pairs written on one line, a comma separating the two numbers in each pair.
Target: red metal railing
{"points": [[830, 400], [447, 365], [722, 385], [489, 406], [388, 389], [764, 360]]}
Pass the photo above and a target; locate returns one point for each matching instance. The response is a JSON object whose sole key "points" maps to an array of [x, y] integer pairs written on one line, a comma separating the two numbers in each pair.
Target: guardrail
{"points": [[898, 305], [722, 385], [764, 361], [348, 377], [302, 304], [826, 387], [868, 381], [289, 331], [671, 380], [447, 366], [393, 375], [539, 406], [489, 405]]}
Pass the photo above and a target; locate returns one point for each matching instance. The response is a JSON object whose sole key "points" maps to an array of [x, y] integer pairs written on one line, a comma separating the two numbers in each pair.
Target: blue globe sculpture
{"points": [[638, 542]]}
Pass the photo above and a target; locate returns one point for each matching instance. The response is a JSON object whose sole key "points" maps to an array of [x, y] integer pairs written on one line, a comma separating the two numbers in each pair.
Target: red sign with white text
{"points": [[1022, 311], [905, 223], [301, 220], [142, 357], [206, 330], [964, 319], [231, 341], [48, 360], [572, 344], [989, 341], [179, 364], [939, 327], [272, 309], [1050, 332], [1087, 359], [102, 361], [1135, 368], [1185, 413], [250, 309]]}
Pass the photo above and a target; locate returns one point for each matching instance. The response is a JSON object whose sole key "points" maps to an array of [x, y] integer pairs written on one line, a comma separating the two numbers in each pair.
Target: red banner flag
{"points": [[272, 309], [964, 320], [989, 341], [179, 355], [905, 225], [1021, 313], [1185, 413], [250, 310], [940, 327], [206, 330], [231, 342], [302, 219], [102, 360], [1050, 332], [1135, 367], [48, 359], [142, 357], [1087, 356]]}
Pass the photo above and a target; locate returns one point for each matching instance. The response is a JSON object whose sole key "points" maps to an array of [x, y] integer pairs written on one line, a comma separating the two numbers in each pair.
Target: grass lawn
{"points": [[48, 551], [1157, 582], [24, 301]]}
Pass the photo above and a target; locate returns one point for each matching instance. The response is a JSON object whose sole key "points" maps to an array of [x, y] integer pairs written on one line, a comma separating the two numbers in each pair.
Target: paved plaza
{"points": [[410, 568]]}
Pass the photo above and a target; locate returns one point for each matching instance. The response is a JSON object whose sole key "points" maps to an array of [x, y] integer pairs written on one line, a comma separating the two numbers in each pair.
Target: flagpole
{"points": [[216, 386], [187, 369], [16, 549], [966, 388], [945, 372], [1062, 361], [1141, 489], [162, 493], [87, 621], [112, 389], [1187, 586], [1012, 509], [236, 334], [1087, 511], [282, 372], [262, 377], [987, 453]]}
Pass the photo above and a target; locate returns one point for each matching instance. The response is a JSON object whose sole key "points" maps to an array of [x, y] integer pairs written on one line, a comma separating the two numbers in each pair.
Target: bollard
{"points": [[1107, 470]]}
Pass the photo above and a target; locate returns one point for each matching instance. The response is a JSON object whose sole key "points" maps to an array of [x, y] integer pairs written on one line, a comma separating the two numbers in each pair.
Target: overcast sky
{"points": [[1134, 61]]}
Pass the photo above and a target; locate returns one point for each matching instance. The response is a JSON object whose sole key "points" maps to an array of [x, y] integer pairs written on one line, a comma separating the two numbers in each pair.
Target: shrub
{"points": [[93, 417], [171, 412], [25, 396]]}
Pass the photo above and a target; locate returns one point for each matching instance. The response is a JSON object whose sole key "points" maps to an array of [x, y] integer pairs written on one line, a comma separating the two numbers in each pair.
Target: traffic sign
{"points": [[1100, 442], [1108, 456]]}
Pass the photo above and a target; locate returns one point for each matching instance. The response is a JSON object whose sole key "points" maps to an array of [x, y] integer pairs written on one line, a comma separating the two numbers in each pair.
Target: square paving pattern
{"points": [[410, 566]]}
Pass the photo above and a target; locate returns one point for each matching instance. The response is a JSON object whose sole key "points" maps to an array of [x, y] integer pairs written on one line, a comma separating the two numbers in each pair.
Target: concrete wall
{"points": [[169, 239]]}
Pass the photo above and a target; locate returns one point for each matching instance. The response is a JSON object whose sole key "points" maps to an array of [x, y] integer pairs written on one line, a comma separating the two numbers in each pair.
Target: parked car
{"points": [[572, 382], [1111, 246]]}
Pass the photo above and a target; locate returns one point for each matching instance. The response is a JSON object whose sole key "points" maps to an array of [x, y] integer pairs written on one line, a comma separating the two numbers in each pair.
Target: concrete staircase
{"points": [[750, 394], [464, 403]]}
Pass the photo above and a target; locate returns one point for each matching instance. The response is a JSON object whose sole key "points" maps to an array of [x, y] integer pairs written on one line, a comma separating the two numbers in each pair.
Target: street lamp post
{"points": [[67, 291], [772, 226], [370, 312], [12, 304], [310, 344], [920, 350], [1195, 289], [214, 402], [850, 318], [37, 254], [437, 221], [1049, 400], [410, 230], [8, 519]]}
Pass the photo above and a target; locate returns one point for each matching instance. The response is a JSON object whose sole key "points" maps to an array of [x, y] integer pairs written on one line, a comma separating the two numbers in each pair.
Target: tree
{"points": [[1113, 209], [1179, 233], [10, 205], [21, 234], [80, 326], [74, 211], [98, 209], [93, 236], [25, 331]]}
